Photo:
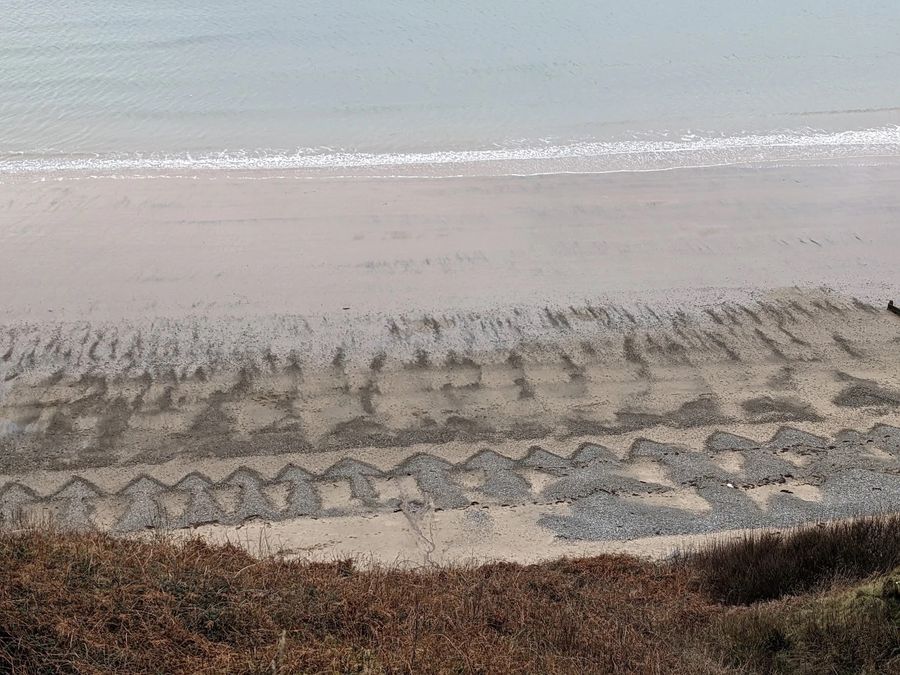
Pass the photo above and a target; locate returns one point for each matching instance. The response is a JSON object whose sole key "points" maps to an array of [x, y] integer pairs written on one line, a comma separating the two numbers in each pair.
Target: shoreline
{"points": [[644, 152]]}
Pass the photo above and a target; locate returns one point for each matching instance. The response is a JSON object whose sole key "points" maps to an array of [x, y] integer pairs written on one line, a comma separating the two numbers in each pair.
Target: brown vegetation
{"points": [[770, 565], [91, 603]]}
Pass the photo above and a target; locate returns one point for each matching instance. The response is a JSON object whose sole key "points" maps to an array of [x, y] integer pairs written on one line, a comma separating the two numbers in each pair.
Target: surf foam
{"points": [[583, 156]]}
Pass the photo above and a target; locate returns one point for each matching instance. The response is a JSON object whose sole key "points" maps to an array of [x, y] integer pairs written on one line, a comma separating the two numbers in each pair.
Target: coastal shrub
{"points": [[854, 630], [768, 565], [92, 603]]}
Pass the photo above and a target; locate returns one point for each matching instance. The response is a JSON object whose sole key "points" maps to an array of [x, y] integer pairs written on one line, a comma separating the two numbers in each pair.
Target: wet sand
{"points": [[561, 360], [218, 244]]}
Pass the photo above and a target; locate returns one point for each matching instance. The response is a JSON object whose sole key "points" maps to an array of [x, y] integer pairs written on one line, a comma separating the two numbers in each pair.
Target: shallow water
{"points": [[191, 80]]}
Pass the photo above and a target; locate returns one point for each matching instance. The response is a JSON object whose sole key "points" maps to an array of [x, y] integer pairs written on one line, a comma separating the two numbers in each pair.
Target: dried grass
{"points": [[91, 603], [768, 565]]}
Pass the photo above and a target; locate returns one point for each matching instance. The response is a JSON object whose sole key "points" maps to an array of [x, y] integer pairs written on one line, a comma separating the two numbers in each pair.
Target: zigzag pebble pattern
{"points": [[603, 494]]}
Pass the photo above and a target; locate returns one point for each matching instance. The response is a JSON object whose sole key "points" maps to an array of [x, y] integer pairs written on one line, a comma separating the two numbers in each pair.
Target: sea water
{"points": [[126, 85]]}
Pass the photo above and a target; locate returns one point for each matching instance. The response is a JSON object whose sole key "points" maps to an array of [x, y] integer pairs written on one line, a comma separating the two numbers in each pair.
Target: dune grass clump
{"points": [[856, 630], [768, 565]]}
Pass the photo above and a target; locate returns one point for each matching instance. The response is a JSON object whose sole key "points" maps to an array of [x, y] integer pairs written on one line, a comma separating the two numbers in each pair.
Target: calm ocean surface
{"points": [[300, 83]]}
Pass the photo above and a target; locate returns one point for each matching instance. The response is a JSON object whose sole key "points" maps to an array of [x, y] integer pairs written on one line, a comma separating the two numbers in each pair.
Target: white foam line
{"points": [[815, 162], [641, 155]]}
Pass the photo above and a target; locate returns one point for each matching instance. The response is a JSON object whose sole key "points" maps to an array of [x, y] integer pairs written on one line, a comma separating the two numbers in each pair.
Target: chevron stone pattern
{"points": [[855, 473]]}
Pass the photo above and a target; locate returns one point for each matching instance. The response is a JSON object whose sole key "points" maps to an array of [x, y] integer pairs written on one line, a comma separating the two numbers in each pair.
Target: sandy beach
{"points": [[404, 337], [439, 368], [220, 244]]}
